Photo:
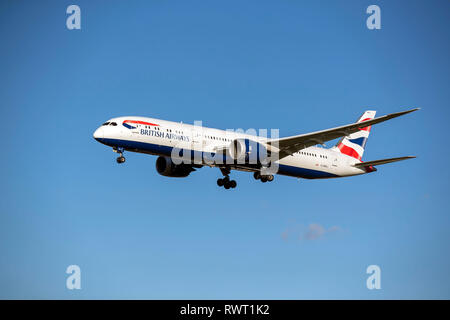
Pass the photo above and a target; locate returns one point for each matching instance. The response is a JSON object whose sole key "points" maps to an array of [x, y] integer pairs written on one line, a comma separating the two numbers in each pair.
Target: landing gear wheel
{"points": [[226, 183], [270, 178], [264, 179], [256, 175], [120, 159]]}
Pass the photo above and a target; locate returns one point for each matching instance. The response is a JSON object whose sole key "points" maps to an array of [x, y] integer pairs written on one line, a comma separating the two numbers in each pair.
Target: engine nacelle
{"points": [[247, 151], [166, 167]]}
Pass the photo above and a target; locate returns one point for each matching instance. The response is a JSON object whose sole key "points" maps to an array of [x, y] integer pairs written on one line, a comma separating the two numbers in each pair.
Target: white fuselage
{"points": [[160, 137]]}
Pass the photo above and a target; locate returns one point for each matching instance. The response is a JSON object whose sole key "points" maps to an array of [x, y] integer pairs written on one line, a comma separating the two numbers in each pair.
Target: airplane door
{"points": [[197, 140], [334, 162], [197, 145]]}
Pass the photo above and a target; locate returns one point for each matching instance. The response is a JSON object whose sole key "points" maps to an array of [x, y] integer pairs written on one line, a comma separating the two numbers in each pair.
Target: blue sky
{"points": [[295, 65]]}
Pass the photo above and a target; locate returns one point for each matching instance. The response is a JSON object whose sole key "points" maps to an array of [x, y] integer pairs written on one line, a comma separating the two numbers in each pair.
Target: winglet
{"points": [[411, 110], [398, 114]]}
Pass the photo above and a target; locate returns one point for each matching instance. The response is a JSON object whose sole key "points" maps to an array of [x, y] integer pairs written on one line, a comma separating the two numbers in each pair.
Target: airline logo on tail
{"points": [[128, 124], [353, 145]]}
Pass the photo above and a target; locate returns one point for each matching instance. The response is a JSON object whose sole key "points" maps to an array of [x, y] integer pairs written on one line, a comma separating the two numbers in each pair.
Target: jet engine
{"points": [[166, 167], [247, 151]]}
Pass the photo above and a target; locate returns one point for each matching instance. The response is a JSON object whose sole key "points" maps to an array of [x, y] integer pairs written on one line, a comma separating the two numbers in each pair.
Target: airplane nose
{"points": [[98, 134]]}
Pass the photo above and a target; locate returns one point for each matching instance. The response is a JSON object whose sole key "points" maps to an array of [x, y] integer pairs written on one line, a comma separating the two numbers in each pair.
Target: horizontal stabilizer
{"points": [[379, 162]]}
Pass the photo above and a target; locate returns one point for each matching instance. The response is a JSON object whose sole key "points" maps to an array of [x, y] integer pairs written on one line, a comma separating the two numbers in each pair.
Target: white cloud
{"points": [[313, 231]]}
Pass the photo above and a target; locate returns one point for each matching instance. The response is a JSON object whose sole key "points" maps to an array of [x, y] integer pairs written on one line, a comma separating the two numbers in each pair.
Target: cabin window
{"points": [[105, 124], [113, 124]]}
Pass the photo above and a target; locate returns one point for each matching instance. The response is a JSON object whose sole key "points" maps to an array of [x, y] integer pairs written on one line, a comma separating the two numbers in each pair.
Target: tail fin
{"points": [[353, 145]]}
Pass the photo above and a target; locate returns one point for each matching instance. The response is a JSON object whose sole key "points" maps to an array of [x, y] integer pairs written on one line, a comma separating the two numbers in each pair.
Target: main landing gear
{"points": [[225, 181], [120, 158], [263, 178]]}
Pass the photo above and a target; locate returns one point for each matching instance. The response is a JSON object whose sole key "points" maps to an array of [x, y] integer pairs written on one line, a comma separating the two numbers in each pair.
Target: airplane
{"points": [[182, 148]]}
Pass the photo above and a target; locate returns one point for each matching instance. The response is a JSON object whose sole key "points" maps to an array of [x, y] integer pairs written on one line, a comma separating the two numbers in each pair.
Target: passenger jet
{"points": [[183, 148]]}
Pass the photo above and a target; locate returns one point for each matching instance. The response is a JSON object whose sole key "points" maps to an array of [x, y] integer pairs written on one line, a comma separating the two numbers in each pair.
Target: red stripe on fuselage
{"points": [[141, 122]]}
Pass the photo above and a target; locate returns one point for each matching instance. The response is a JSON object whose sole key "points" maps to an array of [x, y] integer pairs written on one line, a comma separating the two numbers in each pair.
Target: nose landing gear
{"points": [[120, 158]]}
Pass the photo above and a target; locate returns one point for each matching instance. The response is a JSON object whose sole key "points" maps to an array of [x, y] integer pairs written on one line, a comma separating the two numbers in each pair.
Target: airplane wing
{"points": [[289, 145], [379, 162]]}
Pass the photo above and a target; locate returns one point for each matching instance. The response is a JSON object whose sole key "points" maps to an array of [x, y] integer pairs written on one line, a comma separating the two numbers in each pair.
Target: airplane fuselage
{"points": [[160, 137]]}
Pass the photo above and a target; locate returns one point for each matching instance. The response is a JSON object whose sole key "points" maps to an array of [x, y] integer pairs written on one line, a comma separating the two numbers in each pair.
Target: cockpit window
{"points": [[113, 124], [105, 124]]}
